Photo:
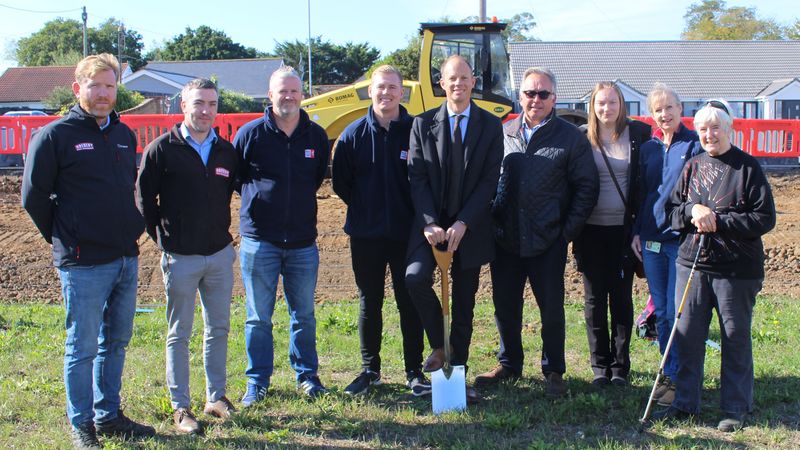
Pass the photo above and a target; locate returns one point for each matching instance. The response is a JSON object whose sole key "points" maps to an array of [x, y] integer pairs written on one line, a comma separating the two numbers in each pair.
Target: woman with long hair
{"points": [[603, 248]]}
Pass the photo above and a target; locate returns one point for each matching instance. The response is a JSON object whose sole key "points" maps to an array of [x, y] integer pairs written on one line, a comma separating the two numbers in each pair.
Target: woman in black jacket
{"points": [[603, 248]]}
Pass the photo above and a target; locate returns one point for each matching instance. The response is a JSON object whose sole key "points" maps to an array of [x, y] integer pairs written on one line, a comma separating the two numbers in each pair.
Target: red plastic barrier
{"points": [[759, 137]]}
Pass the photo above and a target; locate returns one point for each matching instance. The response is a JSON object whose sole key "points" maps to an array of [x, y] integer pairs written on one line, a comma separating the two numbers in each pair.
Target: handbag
{"points": [[638, 267]]}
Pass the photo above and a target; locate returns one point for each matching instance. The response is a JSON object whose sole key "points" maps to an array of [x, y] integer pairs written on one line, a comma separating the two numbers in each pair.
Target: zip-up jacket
{"points": [[279, 178], [735, 188], [659, 169], [187, 204], [78, 187], [370, 174], [547, 188]]}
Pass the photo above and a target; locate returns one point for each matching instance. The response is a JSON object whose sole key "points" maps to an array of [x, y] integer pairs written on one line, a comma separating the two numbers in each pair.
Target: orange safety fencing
{"points": [[759, 137]]}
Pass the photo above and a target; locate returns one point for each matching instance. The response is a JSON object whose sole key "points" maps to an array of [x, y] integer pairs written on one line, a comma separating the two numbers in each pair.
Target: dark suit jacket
{"points": [[427, 164]]}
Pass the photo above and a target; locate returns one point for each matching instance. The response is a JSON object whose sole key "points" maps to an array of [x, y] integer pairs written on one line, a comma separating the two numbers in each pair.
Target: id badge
{"points": [[653, 246]]}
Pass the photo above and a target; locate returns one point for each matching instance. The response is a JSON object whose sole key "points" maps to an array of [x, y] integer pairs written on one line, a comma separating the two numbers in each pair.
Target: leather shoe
{"points": [[554, 386], [495, 376], [185, 422], [435, 361], [222, 408], [731, 423], [472, 396]]}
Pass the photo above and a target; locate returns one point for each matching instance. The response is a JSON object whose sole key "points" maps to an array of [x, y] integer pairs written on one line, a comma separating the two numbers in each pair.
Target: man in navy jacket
{"points": [[283, 159], [78, 189], [370, 174]]}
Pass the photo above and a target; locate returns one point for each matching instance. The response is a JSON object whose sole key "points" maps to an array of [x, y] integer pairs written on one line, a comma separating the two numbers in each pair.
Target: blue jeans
{"points": [[261, 264], [100, 303], [659, 268]]}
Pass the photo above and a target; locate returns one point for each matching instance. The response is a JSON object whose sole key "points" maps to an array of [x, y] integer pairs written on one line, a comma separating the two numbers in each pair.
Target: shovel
{"points": [[448, 384]]}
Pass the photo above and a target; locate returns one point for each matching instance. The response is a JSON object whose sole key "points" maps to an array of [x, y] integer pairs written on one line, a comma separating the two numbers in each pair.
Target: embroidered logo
{"points": [[121, 146], [84, 146], [223, 172], [404, 155], [310, 153]]}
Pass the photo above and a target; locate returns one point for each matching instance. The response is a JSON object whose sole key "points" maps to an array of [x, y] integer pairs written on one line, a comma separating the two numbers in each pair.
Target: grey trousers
{"points": [[734, 300], [184, 276]]}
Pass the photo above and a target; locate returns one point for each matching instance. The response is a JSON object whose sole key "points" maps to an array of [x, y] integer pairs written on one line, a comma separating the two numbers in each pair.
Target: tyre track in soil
{"points": [[27, 274]]}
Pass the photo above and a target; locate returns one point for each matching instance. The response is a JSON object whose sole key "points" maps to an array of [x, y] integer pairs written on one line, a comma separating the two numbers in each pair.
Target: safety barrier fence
{"points": [[759, 137]]}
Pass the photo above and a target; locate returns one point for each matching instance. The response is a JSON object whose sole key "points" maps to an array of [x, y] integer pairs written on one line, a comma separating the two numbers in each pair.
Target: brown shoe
{"points": [[222, 408], [435, 361], [495, 376], [472, 396], [667, 396], [185, 422], [554, 386]]}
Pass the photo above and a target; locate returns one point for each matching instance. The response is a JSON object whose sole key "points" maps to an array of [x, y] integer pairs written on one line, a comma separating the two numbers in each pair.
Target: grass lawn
{"points": [[510, 416]]}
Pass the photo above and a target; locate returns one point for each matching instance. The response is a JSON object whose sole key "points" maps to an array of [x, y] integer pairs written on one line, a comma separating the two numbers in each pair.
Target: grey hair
{"points": [[540, 71], [284, 72], [708, 114], [198, 83], [660, 89]]}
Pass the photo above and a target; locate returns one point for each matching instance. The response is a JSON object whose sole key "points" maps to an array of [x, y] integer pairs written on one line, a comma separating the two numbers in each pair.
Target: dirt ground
{"points": [[27, 275]]}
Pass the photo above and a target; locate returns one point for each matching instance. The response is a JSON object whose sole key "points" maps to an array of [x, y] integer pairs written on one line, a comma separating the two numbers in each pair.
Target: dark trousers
{"points": [[734, 300], [419, 280], [370, 257], [607, 287], [545, 273]]}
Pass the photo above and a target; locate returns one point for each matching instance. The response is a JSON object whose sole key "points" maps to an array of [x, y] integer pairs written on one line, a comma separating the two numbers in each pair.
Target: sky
{"points": [[386, 25]]}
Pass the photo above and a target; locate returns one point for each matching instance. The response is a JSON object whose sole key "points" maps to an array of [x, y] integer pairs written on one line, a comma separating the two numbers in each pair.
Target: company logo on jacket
{"points": [[310, 153], [223, 172], [84, 146]]}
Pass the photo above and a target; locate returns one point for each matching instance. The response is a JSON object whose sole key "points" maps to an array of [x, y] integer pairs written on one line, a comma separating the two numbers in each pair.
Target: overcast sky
{"points": [[384, 24]]}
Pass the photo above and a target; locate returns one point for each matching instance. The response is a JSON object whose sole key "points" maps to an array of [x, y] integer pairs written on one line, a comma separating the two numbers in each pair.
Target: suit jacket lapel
{"points": [[440, 128], [474, 127]]}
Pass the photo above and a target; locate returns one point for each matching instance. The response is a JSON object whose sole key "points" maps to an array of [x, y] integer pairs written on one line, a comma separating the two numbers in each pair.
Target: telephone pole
{"points": [[85, 35]]}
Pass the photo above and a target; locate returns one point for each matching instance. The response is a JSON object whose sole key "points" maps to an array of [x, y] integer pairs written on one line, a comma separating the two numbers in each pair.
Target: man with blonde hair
{"points": [[78, 189], [370, 174], [283, 158]]}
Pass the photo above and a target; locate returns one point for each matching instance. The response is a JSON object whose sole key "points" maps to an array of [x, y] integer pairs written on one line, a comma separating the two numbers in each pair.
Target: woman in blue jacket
{"points": [[654, 242]]}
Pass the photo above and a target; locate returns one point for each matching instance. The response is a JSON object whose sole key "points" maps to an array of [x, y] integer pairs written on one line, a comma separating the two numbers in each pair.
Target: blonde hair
{"points": [[386, 68], [593, 130], [92, 65], [661, 90]]}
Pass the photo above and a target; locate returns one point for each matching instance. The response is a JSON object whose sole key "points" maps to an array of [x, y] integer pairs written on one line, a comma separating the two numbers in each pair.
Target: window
{"points": [[633, 108], [690, 108]]}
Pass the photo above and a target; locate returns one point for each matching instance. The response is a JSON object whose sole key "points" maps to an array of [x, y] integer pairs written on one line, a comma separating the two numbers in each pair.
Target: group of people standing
{"points": [[511, 195]]}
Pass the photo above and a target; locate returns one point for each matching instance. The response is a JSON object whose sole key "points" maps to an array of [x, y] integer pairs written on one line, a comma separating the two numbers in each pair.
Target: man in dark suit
{"points": [[454, 165]]}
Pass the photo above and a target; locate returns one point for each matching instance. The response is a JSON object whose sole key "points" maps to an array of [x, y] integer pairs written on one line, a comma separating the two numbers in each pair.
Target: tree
{"points": [[713, 20], [60, 42], [203, 43], [332, 63], [793, 31], [406, 59], [62, 99]]}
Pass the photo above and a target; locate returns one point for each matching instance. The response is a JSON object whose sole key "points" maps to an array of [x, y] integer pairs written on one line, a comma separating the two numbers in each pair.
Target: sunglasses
{"points": [[719, 105], [544, 95]]}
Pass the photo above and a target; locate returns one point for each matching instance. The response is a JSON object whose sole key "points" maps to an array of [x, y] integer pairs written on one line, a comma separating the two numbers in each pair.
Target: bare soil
{"points": [[27, 274]]}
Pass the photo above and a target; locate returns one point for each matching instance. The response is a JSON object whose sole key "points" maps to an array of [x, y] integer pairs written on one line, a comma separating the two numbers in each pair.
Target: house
{"points": [[26, 87], [166, 78], [761, 79]]}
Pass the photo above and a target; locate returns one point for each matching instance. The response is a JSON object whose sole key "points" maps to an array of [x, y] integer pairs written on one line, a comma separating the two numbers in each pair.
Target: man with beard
{"points": [[78, 188], [283, 158], [184, 192]]}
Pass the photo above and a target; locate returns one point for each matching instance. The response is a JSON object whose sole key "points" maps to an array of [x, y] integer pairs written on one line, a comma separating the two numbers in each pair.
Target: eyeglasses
{"points": [[544, 95], [719, 105]]}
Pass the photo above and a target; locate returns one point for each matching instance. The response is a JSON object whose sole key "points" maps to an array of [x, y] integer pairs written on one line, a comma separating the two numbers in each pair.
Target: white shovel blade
{"points": [[449, 394]]}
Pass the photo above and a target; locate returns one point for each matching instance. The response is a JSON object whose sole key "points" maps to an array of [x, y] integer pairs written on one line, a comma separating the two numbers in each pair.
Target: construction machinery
{"points": [[481, 44]]}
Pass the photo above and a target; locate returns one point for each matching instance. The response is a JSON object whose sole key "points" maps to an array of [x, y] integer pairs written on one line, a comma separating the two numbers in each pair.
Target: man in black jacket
{"points": [[78, 189], [370, 174], [547, 190], [454, 164], [184, 191], [283, 159]]}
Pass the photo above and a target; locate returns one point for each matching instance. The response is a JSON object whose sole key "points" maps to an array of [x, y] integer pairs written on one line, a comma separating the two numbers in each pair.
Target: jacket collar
{"points": [[514, 128], [374, 125], [269, 121], [88, 120]]}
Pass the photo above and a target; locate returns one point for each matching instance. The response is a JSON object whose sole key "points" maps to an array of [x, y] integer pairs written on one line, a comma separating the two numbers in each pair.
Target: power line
{"points": [[39, 12]]}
